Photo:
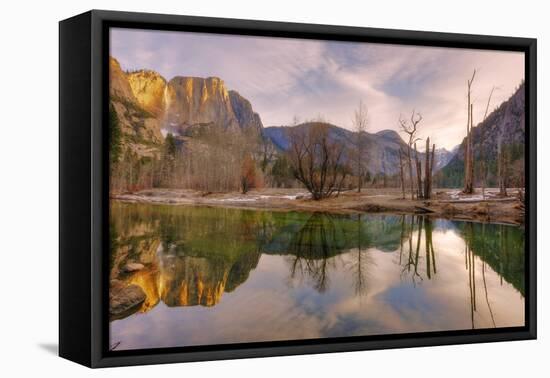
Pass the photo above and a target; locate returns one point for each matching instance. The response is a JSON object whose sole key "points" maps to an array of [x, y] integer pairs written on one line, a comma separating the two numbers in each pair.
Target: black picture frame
{"points": [[83, 182]]}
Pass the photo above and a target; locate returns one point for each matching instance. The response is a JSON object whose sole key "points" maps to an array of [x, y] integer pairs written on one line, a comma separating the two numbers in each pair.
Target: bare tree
{"points": [[418, 164], [360, 123], [469, 148], [219, 160], [401, 171], [317, 161], [429, 168], [410, 128], [432, 160]]}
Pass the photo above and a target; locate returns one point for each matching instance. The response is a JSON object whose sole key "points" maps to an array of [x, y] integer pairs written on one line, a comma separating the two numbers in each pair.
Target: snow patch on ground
{"points": [[254, 198], [236, 199], [459, 196]]}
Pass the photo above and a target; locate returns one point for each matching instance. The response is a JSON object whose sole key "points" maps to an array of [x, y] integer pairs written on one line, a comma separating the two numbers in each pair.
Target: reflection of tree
{"points": [[430, 252], [469, 238], [314, 247], [470, 266], [311, 247], [499, 246], [360, 263], [486, 293], [422, 226]]}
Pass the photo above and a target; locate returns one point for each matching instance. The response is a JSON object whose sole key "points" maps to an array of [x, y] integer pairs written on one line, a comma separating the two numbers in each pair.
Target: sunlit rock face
{"points": [[146, 103], [148, 88], [193, 101], [118, 82], [140, 128]]}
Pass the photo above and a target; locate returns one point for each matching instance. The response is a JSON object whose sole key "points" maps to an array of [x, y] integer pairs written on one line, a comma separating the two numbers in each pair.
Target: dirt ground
{"points": [[447, 203]]}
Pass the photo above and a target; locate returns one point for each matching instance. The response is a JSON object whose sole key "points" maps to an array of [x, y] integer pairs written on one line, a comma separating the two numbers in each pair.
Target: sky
{"points": [[286, 78]]}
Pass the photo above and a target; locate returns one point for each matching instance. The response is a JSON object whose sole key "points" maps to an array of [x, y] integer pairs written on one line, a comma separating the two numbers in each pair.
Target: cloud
{"points": [[284, 78]]}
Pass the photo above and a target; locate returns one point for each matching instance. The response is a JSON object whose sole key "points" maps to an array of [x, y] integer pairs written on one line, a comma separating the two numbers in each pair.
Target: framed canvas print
{"points": [[233, 188]]}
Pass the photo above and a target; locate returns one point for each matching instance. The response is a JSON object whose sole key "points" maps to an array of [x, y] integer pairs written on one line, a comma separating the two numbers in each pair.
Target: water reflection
{"points": [[343, 275]]}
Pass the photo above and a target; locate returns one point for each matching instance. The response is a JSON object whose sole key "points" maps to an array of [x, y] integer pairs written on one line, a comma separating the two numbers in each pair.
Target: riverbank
{"points": [[447, 203]]}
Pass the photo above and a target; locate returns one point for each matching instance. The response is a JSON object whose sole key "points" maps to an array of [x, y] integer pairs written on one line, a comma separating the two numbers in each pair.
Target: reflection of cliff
{"points": [[148, 280], [191, 281], [185, 280], [182, 260]]}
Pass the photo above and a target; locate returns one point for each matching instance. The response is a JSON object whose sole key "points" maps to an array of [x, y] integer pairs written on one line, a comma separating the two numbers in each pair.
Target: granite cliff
{"points": [[148, 106]]}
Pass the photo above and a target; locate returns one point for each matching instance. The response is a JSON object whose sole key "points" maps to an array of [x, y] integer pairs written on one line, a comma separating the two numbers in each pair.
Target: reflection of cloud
{"points": [[287, 77]]}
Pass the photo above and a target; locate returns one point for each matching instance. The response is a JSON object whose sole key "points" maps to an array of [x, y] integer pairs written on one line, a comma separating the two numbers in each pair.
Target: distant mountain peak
{"points": [[387, 133]]}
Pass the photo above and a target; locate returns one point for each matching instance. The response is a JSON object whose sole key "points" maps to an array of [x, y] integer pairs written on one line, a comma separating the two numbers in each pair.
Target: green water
{"points": [[214, 275]]}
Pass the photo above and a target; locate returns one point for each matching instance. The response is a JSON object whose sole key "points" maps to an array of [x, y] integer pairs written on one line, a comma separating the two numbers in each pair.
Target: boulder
{"points": [[133, 267], [124, 300]]}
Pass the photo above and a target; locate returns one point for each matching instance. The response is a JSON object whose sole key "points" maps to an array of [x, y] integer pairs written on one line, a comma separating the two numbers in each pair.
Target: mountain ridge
{"points": [[382, 147]]}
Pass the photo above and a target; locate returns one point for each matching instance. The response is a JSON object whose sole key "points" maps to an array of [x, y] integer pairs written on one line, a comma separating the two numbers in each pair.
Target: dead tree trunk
{"points": [[410, 129], [469, 165], [468, 151], [411, 178], [431, 172], [418, 174], [471, 150], [427, 170], [401, 163]]}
